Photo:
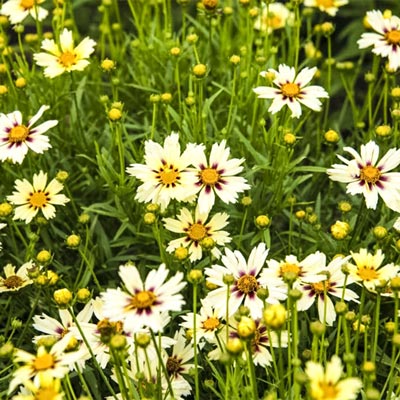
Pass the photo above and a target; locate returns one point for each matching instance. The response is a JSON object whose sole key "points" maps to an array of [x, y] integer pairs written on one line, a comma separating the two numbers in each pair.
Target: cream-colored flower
{"points": [[18, 10], [12, 280], [273, 16], [30, 198], [63, 56], [330, 7]]}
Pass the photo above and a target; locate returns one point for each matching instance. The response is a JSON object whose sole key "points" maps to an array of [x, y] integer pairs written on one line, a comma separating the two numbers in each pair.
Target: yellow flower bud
{"points": [[62, 297], [275, 316]]}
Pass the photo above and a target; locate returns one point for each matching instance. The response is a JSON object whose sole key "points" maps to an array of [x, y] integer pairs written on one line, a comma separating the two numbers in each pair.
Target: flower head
{"points": [[291, 90], [18, 10], [17, 138], [15, 280], [327, 383], [141, 304], [196, 230], [217, 176], [364, 174], [166, 174], [330, 7], [386, 38], [273, 16], [64, 56], [30, 198]]}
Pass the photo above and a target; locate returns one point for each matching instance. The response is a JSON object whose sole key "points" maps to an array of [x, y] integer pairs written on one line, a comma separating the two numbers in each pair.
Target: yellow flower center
{"points": [[325, 3], [288, 267], [321, 287], [67, 59], [197, 232], [370, 174], [18, 134], [393, 37], [13, 282], [143, 300], [46, 394], [168, 175], [367, 273], [247, 284], [211, 324], [173, 365], [27, 4], [290, 89], [209, 176], [329, 390], [46, 361], [38, 199], [274, 21]]}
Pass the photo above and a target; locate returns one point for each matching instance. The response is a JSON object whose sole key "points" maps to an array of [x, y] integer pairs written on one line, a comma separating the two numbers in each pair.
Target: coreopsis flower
{"points": [[54, 363], [18, 10], [364, 174], [326, 383], [30, 198], [217, 176], [386, 38], [196, 230], [16, 138], [15, 280], [292, 90], [166, 174], [62, 55], [273, 16], [332, 282], [246, 281], [331, 7], [49, 388], [368, 270], [141, 304]]}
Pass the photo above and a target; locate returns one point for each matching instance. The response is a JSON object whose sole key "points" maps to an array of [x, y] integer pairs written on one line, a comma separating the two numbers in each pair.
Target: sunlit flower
{"points": [[386, 40], [245, 283], [291, 90], [141, 304], [18, 10], [53, 363], [364, 174], [30, 198], [273, 16], [196, 230], [61, 56], [326, 383], [48, 389], [166, 174], [333, 282], [17, 138], [368, 271], [330, 7], [12, 280], [217, 176]]}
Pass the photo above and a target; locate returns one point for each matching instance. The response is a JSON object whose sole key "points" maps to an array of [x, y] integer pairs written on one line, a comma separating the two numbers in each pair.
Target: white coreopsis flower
{"points": [[18, 10], [368, 271], [48, 389], [166, 174], [1, 227], [332, 281], [53, 363], [331, 7], [208, 322], [326, 383], [247, 279], [13, 281], [385, 40], [396, 225], [292, 90], [62, 55], [217, 176], [30, 198], [142, 304], [196, 230], [273, 16], [17, 138], [364, 174]]}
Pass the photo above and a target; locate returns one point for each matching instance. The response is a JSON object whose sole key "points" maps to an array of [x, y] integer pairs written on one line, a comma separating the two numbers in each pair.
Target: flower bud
{"points": [[275, 316], [62, 297]]}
